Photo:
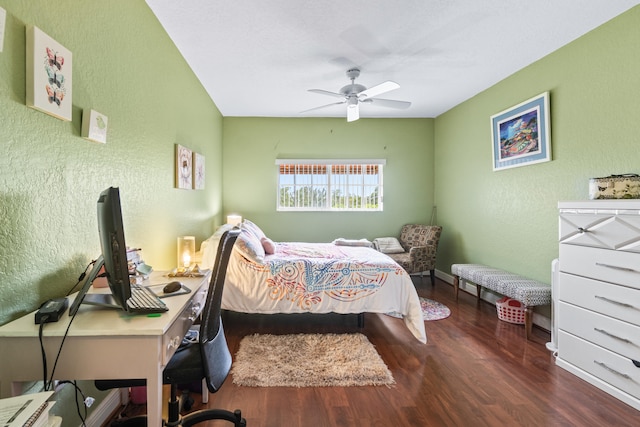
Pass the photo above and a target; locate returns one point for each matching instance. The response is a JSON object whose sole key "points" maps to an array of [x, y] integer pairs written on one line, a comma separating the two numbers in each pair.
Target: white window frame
{"points": [[325, 182]]}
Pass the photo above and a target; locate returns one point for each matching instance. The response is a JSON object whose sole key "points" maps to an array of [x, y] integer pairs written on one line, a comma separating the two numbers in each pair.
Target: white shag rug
{"points": [[309, 360]]}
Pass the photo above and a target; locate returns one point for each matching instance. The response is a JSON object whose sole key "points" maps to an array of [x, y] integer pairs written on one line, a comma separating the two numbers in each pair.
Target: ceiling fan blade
{"points": [[353, 112], [391, 103], [322, 106], [379, 89], [326, 92]]}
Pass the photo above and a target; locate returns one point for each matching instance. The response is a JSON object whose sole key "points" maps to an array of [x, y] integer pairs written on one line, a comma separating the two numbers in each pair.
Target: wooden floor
{"points": [[475, 370]]}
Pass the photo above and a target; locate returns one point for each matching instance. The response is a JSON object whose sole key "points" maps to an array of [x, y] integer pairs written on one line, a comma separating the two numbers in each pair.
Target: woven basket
{"points": [[510, 310]]}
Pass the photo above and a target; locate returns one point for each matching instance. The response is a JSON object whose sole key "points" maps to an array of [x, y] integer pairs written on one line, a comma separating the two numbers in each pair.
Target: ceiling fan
{"points": [[353, 94]]}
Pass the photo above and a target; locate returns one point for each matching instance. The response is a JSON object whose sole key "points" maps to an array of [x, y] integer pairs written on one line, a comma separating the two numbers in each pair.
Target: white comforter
{"points": [[322, 278]]}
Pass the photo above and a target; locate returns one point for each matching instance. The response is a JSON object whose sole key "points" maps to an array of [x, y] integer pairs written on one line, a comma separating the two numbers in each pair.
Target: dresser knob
{"points": [[195, 310], [174, 343]]}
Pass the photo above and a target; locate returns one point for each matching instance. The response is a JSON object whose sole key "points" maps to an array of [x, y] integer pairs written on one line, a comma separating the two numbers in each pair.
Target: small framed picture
{"points": [[521, 134], [198, 171], [94, 126], [184, 172], [49, 66]]}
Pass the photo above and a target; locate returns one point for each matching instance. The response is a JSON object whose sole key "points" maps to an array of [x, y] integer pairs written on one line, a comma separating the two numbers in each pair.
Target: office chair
{"points": [[209, 358]]}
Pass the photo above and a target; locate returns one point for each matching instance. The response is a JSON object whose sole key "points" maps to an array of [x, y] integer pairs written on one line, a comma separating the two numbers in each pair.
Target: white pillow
{"points": [[253, 228], [249, 246], [340, 241], [388, 245]]}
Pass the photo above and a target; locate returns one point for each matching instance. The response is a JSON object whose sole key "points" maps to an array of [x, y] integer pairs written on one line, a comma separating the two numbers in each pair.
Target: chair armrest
{"points": [[417, 250], [423, 257]]}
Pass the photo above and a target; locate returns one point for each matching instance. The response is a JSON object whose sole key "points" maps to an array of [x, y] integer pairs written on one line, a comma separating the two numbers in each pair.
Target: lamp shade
{"points": [[234, 219], [186, 251]]}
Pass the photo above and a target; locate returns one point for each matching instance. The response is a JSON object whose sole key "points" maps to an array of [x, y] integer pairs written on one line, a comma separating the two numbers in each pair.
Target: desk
{"points": [[103, 344]]}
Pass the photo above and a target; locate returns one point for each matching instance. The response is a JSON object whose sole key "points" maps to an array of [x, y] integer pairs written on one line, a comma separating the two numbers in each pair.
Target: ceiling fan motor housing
{"points": [[353, 88]]}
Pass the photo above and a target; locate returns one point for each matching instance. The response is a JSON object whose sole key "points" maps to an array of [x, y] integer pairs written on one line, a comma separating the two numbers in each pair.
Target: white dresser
{"points": [[598, 295]]}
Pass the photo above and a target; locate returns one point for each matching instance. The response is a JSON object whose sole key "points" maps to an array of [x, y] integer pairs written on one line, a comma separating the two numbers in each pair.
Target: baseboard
{"points": [[105, 408], [538, 319]]}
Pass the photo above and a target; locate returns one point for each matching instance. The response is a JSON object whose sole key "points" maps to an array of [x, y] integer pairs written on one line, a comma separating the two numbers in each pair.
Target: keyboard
{"points": [[143, 300]]}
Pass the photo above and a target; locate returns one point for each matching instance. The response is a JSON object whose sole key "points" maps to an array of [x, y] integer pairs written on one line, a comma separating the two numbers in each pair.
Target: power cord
{"points": [[87, 401], [48, 384], [82, 276], [42, 351]]}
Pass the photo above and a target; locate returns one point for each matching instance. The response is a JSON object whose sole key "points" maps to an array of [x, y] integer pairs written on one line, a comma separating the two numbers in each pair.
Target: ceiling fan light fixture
{"points": [[353, 94]]}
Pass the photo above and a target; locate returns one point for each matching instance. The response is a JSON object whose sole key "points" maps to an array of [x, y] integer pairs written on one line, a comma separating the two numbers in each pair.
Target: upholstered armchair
{"points": [[419, 246]]}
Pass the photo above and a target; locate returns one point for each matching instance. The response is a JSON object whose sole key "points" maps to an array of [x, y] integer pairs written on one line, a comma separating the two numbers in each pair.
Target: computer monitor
{"points": [[113, 258], [114, 249]]}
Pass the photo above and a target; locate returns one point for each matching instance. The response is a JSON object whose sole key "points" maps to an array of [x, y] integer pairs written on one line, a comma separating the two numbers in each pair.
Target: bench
{"points": [[529, 292]]}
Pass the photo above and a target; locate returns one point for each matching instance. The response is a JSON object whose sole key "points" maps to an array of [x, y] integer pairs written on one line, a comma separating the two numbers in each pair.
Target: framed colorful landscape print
{"points": [[49, 66], [521, 134]]}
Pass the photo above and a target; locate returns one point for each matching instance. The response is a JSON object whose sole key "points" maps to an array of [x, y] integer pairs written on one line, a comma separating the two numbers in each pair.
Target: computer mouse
{"points": [[172, 287]]}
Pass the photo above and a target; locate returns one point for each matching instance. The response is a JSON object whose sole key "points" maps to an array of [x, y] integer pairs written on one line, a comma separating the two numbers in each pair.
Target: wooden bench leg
{"points": [[528, 321], [479, 288], [456, 286]]}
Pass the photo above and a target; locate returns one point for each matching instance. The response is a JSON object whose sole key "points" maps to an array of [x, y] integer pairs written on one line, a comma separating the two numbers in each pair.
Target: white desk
{"points": [[103, 344]]}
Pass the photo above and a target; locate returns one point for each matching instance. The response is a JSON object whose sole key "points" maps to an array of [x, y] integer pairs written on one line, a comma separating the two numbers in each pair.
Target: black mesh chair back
{"points": [[216, 358]]}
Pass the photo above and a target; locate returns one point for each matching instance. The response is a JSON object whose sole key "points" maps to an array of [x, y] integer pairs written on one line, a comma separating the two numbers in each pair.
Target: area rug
{"points": [[431, 310], [309, 360]]}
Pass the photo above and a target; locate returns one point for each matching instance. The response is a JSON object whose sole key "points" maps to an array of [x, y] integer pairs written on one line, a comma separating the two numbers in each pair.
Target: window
{"points": [[329, 185]]}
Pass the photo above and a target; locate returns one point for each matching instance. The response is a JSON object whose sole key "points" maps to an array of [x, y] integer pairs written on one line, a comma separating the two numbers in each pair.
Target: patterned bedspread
{"points": [[322, 278]]}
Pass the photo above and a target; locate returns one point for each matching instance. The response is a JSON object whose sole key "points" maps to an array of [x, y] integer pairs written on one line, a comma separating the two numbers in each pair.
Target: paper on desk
{"points": [[15, 411]]}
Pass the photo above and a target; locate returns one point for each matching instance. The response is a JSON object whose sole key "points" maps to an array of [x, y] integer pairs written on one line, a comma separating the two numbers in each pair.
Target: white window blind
{"points": [[330, 185]]}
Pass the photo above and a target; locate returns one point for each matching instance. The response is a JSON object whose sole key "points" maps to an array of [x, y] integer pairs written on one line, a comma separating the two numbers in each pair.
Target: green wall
{"points": [[508, 218], [126, 67], [251, 146]]}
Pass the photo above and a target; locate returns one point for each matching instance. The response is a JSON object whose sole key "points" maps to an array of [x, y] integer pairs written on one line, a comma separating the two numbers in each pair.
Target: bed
{"points": [[295, 277]]}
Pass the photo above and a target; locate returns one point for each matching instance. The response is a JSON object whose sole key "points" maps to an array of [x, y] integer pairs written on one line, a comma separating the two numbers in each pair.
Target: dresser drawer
{"points": [[610, 367], [619, 302], [602, 264], [601, 230], [620, 337], [173, 338]]}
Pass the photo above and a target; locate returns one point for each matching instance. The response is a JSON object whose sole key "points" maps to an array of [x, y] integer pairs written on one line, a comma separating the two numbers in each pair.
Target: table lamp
{"points": [[186, 251], [234, 219]]}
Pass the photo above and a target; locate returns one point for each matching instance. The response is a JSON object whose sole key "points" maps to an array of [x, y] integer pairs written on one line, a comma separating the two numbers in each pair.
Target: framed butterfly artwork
{"points": [[49, 66], [184, 165]]}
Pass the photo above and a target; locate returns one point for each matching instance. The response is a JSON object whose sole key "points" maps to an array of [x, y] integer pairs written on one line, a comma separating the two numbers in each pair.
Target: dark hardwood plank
{"points": [[475, 370]]}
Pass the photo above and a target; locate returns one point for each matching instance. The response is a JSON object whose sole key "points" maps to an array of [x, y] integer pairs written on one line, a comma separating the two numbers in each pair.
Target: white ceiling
{"points": [[258, 58]]}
